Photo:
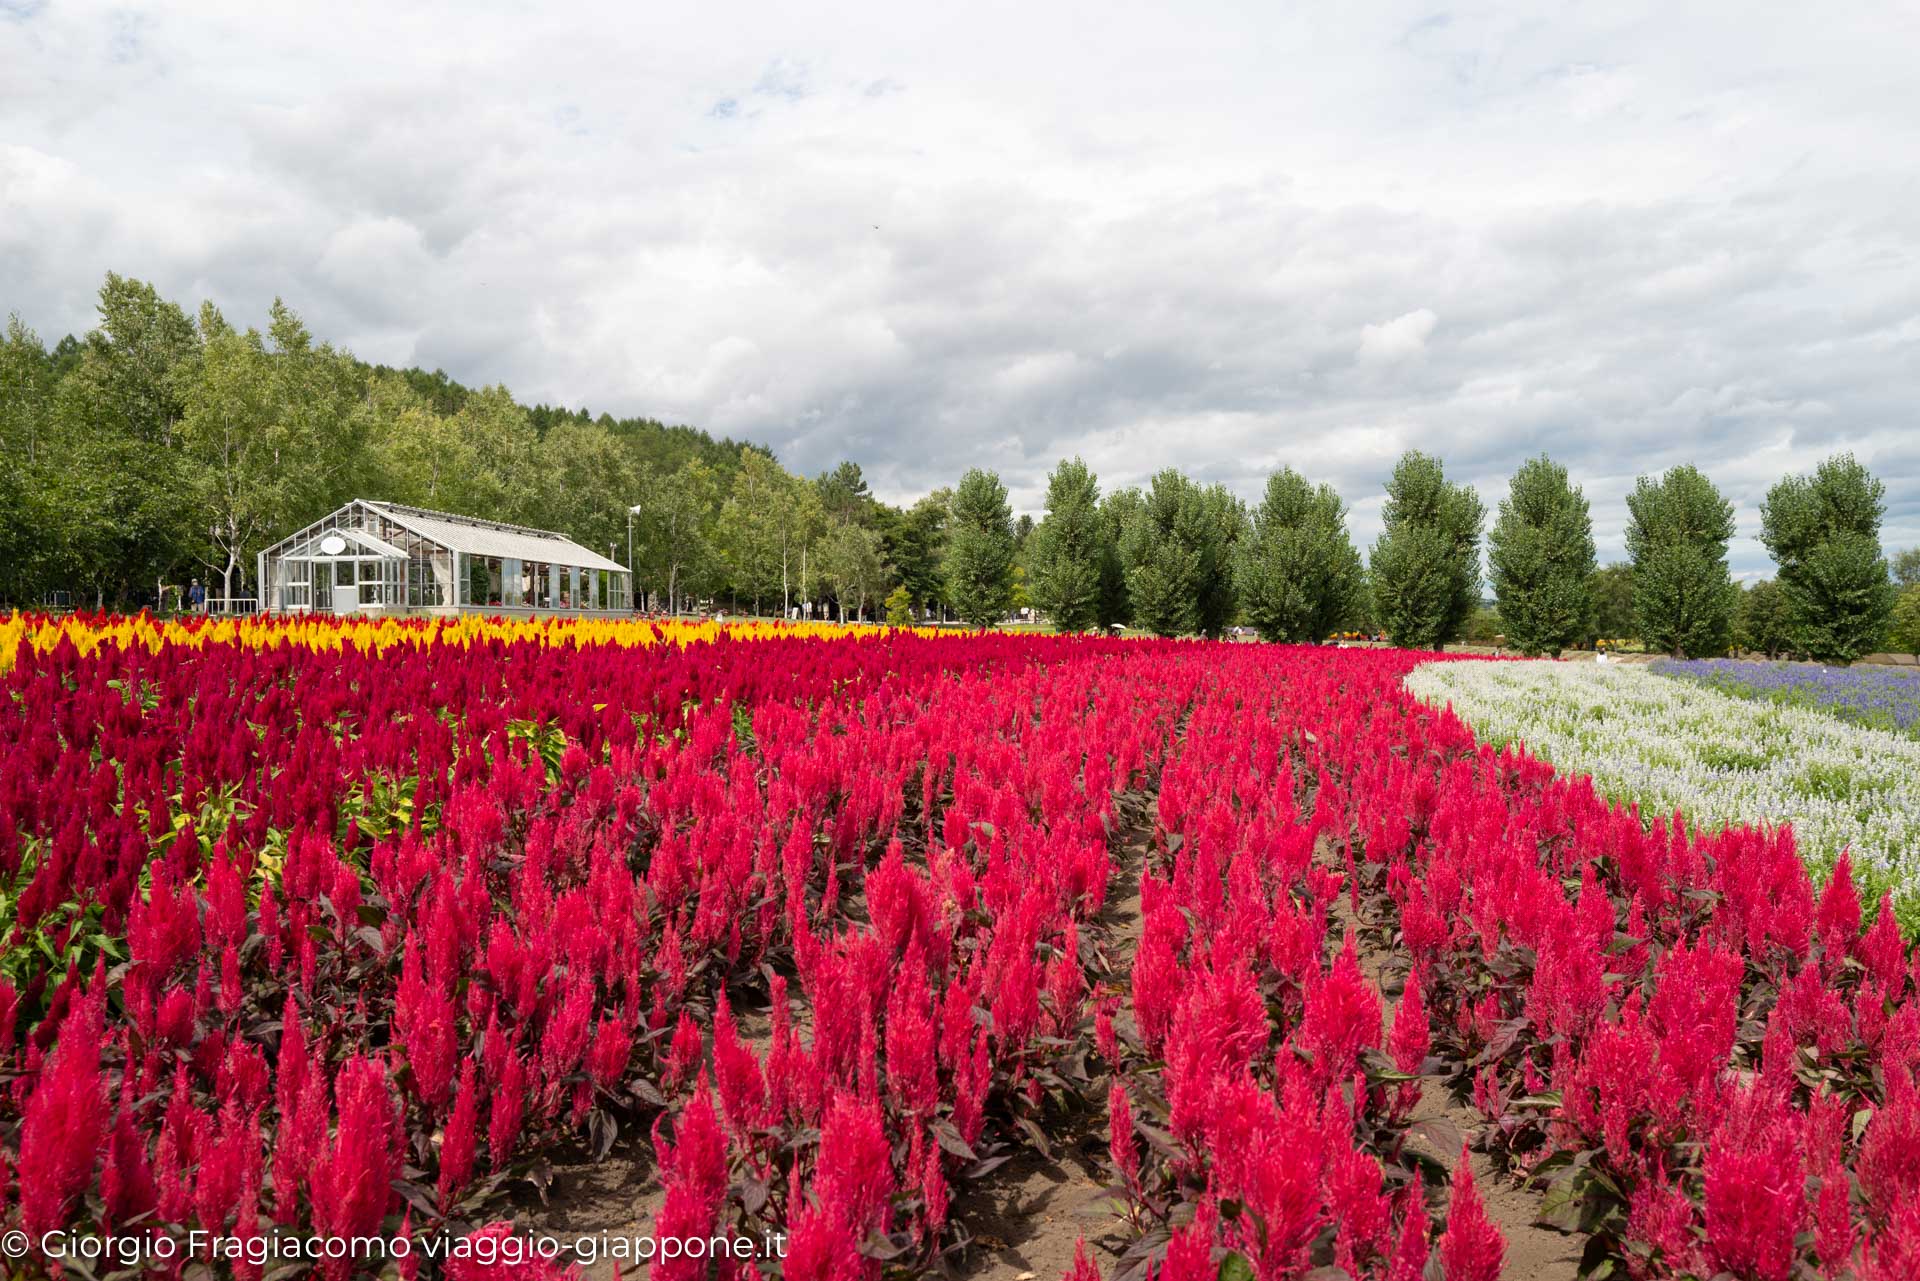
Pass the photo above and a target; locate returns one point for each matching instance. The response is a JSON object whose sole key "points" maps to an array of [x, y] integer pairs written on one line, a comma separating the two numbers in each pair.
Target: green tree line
{"points": [[163, 445]]}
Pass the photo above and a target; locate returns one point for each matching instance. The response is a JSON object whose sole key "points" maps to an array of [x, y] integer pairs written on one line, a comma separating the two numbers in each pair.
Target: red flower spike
{"points": [[1471, 1249]]}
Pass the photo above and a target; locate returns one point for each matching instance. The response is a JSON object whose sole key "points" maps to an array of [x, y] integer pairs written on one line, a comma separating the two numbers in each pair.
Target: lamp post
{"points": [[213, 536], [633, 579]]}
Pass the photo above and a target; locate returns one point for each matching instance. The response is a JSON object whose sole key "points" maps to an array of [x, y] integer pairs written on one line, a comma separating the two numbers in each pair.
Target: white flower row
{"points": [[1666, 744]]}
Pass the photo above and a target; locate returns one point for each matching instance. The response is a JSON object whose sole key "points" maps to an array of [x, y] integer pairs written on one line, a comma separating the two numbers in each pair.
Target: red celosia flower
{"points": [[1411, 1035], [612, 1046], [425, 1019], [460, 1140], [1084, 1268], [494, 1253], [683, 1056], [507, 1112], [353, 1177], [694, 1170], [1833, 1223], [1189, 1254], [1662, 1216], [855, 1175], [1894, 1252], [1889, 1160], [1839, 916], [1120, 1138], [1756, 1199], [822, 1248], [1410, 1249], [1471, 1249], [1343, 1015], [743, 1091], [933, 1189], [65, 1121], [229, 1166], [912, 1067]]}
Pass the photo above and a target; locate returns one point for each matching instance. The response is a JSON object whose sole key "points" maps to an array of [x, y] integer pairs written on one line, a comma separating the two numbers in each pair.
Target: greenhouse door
{"points": [[346, 593]]}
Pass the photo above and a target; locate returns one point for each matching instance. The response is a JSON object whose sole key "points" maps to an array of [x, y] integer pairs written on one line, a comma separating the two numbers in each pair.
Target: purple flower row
{"points": [[1883, 697]]}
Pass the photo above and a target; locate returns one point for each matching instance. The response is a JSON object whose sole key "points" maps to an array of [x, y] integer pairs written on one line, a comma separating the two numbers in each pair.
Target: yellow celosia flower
{"points": [[320, 632]]}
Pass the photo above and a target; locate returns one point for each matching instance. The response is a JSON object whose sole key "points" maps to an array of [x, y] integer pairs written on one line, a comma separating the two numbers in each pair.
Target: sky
{"points": [[1224, 238]]}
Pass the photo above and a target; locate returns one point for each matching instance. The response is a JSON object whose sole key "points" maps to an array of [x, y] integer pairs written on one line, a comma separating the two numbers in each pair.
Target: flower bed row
{"points": [[88, 632], [1877, 697], [1259, 1110], [1668, 745]]}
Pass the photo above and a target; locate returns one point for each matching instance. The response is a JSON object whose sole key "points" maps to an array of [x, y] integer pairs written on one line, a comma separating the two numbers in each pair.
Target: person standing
{"points": [[197, 597]]}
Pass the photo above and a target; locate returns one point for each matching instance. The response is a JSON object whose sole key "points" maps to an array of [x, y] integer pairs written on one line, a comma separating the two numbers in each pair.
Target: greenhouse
{"points": [[384, 558]]}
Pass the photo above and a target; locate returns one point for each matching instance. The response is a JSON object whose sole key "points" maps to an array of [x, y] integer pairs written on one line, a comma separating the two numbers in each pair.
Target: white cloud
{"points": [[1402, 338], [1218, 238]]}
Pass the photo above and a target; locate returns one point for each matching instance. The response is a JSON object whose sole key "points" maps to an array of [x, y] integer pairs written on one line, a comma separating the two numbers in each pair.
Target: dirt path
{"points": [[617, 1197], [1534, 1253], [1029, 1218]]}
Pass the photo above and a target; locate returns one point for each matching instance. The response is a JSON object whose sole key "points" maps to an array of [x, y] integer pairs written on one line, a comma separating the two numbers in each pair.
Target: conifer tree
{"points": [[1824, 533], [1065, 552]]}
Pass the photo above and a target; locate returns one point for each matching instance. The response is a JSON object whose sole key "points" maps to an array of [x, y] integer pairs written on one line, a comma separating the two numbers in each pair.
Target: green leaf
{"points": [[1235, 1267]]}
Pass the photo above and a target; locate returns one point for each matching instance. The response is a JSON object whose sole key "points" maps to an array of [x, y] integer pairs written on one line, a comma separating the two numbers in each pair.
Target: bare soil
{"points": [[1029, 1217], [1534, 1252], [617, 1197]]}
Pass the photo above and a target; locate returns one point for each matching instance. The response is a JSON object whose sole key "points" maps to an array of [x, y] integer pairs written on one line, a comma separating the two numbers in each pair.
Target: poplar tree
{"points": [[1678, 528], [1065, 552], [980, 550], [1824, 532], [1177, 550], [1424, 573], [1298, 573], [1117, 514], [1541, 555]]}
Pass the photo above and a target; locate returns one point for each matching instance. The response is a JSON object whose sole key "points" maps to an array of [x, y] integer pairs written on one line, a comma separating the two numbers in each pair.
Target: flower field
{"points": [[1879, 697], [1670, 745], [342, 934]]}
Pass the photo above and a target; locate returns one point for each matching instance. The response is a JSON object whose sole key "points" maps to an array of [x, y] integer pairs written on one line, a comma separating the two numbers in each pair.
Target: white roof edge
{"points": [[400, 511], [477, 536]]}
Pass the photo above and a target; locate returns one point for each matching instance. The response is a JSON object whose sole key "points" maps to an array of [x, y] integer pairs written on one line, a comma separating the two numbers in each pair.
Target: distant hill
{"points": [[670, 445]]}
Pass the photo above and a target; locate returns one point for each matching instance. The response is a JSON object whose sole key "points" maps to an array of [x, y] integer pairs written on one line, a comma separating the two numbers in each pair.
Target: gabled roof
{"points": [[478, 537], [306, 546]]}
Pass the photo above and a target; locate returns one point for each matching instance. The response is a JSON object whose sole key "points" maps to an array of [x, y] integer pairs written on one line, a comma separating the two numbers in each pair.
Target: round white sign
{"points": [[333, 544]]}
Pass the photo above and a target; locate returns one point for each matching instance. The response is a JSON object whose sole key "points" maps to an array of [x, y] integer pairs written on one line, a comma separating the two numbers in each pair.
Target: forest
{"points": [[163, 446]]}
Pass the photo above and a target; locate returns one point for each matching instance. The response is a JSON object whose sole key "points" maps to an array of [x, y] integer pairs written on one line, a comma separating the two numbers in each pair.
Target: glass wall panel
{"points": [[292, 584], [515, 585]]}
